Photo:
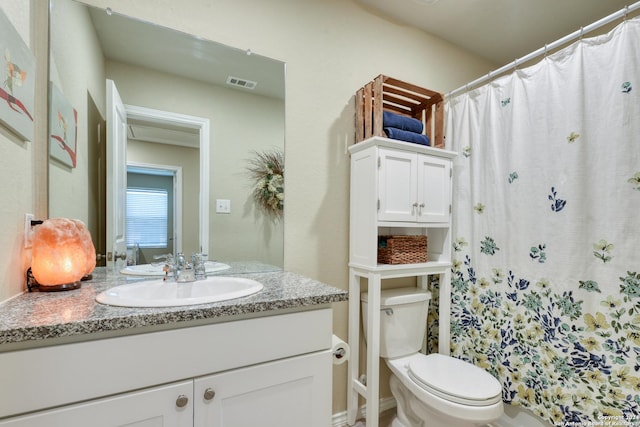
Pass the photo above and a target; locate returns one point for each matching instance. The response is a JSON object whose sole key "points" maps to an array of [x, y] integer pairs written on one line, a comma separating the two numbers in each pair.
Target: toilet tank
{"points": [[403, 320]]}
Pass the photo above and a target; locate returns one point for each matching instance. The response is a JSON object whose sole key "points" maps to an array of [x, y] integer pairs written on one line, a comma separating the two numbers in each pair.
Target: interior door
{"points": [[116, 176], [97, 153]]}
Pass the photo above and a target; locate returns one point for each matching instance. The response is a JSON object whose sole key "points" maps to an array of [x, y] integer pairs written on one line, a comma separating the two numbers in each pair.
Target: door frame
{"points": [[176, 173], [192, 122]]}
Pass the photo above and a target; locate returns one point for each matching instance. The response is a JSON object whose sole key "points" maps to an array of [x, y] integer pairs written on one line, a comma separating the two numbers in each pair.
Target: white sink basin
{"points": [[159, 293], [157, 269]]}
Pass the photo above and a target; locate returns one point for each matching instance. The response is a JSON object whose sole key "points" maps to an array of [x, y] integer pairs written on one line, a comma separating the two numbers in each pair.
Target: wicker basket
{"points": [[402, 249]]}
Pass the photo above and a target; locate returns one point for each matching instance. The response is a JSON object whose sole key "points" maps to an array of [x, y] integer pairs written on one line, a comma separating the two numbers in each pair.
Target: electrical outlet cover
{"points": [[28, 230]]}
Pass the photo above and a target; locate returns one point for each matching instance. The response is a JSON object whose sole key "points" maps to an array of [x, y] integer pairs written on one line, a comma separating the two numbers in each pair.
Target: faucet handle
{"points": [[199, 260], [184, 271], [166, 258], [169, 264]]}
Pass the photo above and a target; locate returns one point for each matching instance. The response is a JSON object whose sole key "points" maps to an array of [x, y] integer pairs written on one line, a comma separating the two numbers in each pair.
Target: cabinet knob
{"points": [[182, 401], [209, 394], [415, 205]]}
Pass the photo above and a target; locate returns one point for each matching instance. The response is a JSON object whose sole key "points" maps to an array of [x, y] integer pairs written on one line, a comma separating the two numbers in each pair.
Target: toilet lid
{"points": [[455, 380]]}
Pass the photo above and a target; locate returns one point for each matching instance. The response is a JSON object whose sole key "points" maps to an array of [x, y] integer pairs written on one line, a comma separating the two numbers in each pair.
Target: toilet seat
{"points": [[454, 380]]}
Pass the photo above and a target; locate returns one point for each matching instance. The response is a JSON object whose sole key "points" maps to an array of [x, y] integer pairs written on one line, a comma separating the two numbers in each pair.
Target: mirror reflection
{"points": [[194, 176]]}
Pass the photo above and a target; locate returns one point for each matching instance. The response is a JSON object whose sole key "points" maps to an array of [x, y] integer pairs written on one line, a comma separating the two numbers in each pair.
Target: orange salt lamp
{"points": [[62, 254]]}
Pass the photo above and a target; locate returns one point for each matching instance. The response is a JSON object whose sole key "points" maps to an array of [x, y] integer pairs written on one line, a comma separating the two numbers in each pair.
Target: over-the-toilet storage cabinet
{"points": [[397, 188]]}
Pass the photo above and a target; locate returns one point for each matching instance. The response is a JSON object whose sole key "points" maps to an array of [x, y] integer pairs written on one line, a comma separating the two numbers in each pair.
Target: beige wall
{"points": [[77, 70], [17, 176], [331, 48]]}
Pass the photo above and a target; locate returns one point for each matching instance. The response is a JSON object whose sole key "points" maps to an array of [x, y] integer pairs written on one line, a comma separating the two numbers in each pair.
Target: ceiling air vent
{"points": [[244, 83]]}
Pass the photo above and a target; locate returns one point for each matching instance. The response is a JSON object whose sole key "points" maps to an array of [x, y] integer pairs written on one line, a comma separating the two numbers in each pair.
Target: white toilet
{"points": [[430, 390]]}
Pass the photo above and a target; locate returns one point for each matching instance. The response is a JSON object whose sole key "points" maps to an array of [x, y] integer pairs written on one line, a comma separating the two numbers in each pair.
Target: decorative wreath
{"points": [[266, 169]]}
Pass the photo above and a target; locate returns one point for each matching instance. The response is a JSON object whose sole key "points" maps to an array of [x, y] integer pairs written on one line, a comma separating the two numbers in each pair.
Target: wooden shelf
{"points": [[388, 94]]}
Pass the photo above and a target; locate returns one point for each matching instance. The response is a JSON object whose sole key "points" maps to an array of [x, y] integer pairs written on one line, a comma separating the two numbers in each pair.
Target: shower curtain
{"points": [[546, 231]]}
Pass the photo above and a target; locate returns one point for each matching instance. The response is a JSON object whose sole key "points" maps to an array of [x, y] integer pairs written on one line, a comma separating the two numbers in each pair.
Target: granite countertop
{"points": [[40, 316]]}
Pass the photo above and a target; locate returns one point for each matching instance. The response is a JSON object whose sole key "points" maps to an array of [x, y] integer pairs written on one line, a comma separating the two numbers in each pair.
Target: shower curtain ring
{"points": [[626, 12], [581, 32], [545, 50]]}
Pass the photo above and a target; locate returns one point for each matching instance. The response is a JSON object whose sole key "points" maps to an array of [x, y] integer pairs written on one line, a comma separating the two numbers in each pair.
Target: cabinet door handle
{"points": [[209, 394], [182, 401]]}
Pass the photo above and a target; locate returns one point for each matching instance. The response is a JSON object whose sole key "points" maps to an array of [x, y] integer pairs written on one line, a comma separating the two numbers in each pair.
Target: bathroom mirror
{"points": [[238, 93]]}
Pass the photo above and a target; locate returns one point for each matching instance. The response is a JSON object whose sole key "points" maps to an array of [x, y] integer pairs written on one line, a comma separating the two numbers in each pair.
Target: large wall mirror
{"points": [[198, 114]]}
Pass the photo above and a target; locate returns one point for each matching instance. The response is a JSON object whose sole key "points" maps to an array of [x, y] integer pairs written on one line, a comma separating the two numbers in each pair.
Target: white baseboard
{"points": [[340, 419]]}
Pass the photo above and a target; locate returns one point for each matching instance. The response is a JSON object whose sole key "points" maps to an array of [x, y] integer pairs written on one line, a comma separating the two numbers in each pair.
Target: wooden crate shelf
{"points": [[396, 96]]}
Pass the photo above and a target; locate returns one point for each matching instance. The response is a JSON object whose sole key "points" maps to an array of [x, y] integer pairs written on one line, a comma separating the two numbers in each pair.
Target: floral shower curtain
{"points": [[546, 275]]}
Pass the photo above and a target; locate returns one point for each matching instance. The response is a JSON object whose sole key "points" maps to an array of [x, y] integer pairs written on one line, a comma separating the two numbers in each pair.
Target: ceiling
{"points": [[151, 46], [147, 45], [498, 30]]}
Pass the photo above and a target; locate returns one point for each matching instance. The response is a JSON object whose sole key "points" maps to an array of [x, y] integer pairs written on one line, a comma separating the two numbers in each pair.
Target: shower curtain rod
{"points": [[543, 50]]}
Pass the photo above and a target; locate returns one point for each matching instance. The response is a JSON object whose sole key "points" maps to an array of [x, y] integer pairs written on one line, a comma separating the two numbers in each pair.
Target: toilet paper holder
{"points": [[339, 353], [339, 350]]}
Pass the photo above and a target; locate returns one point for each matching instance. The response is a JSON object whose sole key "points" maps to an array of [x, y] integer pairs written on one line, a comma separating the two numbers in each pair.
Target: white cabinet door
{"points": [[292, 392], [413, 187], [398, 180], [155, 407], [434, 189]]}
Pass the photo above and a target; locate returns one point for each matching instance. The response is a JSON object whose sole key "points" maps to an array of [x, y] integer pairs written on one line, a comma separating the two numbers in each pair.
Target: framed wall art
{"points": [[63, 127], [17, 81]]}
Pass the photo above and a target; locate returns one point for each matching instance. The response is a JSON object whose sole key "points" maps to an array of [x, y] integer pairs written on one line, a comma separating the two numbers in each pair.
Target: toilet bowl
{"points": [[446, 391], [430, 390]]}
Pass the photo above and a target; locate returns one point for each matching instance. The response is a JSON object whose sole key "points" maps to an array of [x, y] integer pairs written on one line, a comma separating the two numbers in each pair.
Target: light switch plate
{"points": [[223, 206]]}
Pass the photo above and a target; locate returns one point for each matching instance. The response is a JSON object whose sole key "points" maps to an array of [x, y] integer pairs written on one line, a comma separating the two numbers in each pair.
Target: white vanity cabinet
{"points": [[272, 371], [169, 405], [397, 188], [282, 393], [413, 187], [288, 392]]}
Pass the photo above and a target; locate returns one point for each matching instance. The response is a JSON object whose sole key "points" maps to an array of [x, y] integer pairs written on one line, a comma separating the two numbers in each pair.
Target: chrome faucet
{"points": [[182, 270]]}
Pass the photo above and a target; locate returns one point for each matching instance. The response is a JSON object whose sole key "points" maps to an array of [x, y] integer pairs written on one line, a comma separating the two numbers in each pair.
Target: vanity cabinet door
{"points": [[163, 406], [292, 392]]}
